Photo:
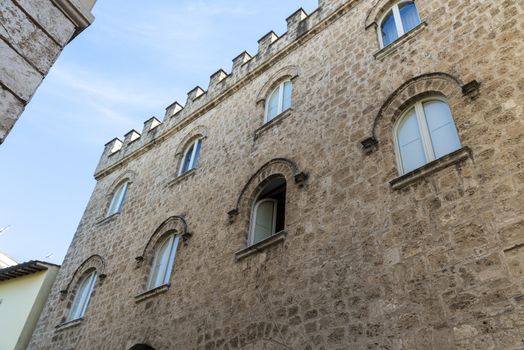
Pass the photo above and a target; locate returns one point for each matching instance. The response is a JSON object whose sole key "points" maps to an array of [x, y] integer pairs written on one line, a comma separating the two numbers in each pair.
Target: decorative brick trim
{"points": [[262, 245], [273, 122], [152, 292], [182, 177], [388, 50], [69, 324], [430, 168]]}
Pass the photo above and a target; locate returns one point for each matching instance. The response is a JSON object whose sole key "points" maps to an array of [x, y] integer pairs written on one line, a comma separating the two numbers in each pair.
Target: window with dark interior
{"points": [[268, 214], [190, 159]]}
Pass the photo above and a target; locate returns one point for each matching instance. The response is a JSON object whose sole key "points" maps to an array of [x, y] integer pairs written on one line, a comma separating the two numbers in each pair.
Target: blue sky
{"points": [[128, 66]]}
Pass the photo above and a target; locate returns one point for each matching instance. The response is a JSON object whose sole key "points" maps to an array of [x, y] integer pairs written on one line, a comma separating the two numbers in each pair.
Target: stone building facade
{"points": [[372, 254], [32, 35]]}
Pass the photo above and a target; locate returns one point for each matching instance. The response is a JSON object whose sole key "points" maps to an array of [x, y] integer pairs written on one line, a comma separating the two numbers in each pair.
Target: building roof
{"points": [[24, 269]]}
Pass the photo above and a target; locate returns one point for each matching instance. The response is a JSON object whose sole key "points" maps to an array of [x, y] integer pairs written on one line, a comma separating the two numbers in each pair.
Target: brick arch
{"points": [[93, 263], [128, 175], [377, 10], [275, 167], [198, 132], [288, 72], [431, 84]]}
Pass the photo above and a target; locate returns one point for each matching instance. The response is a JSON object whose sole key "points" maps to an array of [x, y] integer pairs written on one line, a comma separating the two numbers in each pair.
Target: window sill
{"points": [[151, 293], [431, 168], [260, 246], [275, 121], [107, 219], [69, 324], [182, 177], [386, 51]]}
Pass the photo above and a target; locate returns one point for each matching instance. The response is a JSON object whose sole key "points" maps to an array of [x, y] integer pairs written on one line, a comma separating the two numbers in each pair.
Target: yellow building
{"points": [[23, 291]]}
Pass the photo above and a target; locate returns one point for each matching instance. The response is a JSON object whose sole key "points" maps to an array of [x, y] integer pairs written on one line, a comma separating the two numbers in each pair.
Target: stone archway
{"points": [[141, 347]]}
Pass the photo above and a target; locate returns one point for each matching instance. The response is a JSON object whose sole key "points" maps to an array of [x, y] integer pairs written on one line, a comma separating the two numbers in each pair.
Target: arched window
{"points": [[402, 17], [82, 296], [163, 262], [190, 158], [268, 215], [424, 133], [118, 198], [279, 100]]}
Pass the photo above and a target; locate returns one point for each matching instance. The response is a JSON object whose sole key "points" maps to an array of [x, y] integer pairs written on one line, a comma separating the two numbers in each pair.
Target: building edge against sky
{"points": [[359, 246], [32, 36]]}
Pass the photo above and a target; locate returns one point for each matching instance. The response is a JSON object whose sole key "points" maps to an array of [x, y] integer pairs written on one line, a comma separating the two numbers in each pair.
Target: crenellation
{"points": [[265, 42], [217, 78], [173, 109], [113, 146], [194, 94], [294, 22], [239, 61], [150, 124], [131, 136]]}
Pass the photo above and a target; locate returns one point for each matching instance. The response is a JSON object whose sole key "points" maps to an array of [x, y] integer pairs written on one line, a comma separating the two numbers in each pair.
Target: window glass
{"points": [[410, 143], [272, 106], [288, 87], [187, 160], [163, 262], [82, 296], [388, 29], [409, 15], [197, 154], [444, 136], [264, 220], [118, 199]]}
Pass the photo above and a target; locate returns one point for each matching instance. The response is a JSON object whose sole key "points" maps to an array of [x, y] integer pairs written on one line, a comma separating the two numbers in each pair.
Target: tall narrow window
{"points": [[82, 296], [118, 199], [190, 159], [402, 18], [426, 132], [279, 100], [268, 215], [163, 262]]}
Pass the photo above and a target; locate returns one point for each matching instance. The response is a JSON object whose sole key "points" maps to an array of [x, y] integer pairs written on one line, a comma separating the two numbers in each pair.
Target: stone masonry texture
{"points": [[365, 263], [32, 35]]}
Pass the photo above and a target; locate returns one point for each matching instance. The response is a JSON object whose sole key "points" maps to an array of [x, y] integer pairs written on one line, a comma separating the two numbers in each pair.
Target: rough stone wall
{"points": [[435, 264], [32, 35]]}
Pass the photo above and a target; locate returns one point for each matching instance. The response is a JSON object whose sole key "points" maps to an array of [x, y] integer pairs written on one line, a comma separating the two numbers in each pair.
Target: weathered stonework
{"points": [[436, 262], [32, 35]]}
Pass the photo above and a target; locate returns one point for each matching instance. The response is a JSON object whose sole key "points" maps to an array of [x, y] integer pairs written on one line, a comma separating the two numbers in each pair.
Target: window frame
{"points": [[172, 240], [117, 202], [397, 19], [280, 108], [88, 284], [253, 219], [193, 147], [425, 135]]}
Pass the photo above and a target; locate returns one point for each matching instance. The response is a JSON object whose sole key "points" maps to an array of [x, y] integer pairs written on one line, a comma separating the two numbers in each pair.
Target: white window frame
{"points": [[117, 201], [167, 269], [78, 312], [193, 155], [397, 19], [280, 108], [254, 216], [425, 135]]}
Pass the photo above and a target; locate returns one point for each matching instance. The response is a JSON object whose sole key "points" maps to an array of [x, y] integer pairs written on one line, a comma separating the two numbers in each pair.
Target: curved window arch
{"points": [[118, 198], [279, 100], [82, 297], [400, 19], [191, 156], [424, 133], [268, 214], [163, 262]]}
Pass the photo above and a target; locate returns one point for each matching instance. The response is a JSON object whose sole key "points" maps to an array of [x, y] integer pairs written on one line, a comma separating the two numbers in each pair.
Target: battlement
{"points": [[221, 84]]}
